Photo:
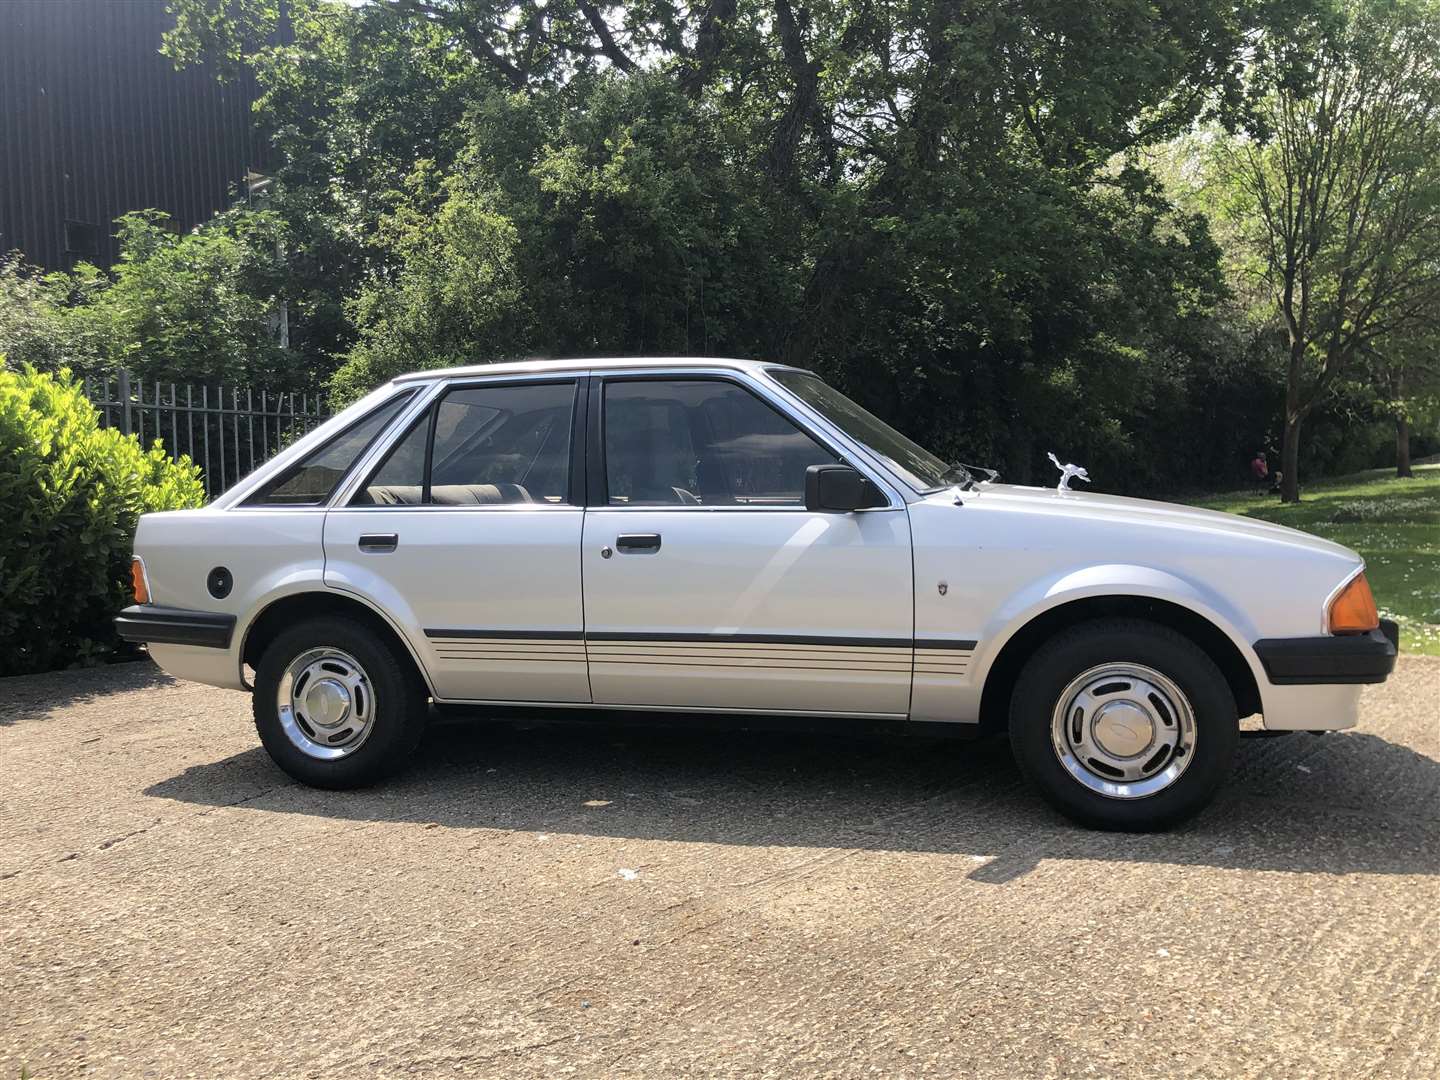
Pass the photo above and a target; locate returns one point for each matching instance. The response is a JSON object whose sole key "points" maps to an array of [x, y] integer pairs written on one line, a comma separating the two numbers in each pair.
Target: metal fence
{"points": [[227, 431]]}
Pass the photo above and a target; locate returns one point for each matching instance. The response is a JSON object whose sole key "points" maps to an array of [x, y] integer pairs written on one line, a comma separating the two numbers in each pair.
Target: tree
{"points": [[1405, 378], [198, 307], [1335, 200], [457, 295], [35, 327], [193, 307], [940, 204]]}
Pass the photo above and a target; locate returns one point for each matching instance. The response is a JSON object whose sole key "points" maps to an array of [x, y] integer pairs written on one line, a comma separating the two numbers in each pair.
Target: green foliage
{"points": [[70, 495], [954, 211], [193, 307], [1004, 278], [456, 298], [197, 307], [36, 326], [1332, 214], [223, 31]]}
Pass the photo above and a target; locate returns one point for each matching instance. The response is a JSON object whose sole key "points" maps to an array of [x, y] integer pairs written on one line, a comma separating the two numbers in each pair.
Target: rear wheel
{"points": [[335, 706], [1124, 724]]}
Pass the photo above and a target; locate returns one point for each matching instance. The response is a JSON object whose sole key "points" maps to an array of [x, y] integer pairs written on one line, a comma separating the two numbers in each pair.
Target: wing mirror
{"points": [[838, 489]]}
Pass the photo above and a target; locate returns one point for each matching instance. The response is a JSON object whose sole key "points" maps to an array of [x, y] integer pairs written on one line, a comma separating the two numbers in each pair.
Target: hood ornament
{"points": [[1067, 473]]}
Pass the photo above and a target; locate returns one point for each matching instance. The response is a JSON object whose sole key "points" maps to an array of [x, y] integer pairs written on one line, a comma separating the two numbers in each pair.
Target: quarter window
{"points": [[310, 481], [485, 445], [702, 443]]}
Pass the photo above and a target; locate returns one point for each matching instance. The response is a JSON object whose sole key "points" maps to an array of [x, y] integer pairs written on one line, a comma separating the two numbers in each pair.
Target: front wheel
{"points": [[1124, 724], [335, 706]]}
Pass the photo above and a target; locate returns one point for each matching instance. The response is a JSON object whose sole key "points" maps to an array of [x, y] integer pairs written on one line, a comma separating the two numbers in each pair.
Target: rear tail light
{"points": [[1353, 609], [138, 584]]}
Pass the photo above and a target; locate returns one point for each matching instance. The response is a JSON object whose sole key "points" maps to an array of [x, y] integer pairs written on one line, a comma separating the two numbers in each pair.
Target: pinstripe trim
{"points": [[800, 655], [738, 639], [502, 635], [945, 643], [727, 653]]}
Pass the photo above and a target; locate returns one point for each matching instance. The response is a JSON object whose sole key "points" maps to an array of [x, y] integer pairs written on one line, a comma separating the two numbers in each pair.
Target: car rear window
{"points": [[310, 481]]}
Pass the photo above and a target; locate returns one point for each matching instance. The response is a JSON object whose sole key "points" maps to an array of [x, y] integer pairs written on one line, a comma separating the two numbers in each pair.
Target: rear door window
{"points": [[482, 446]]}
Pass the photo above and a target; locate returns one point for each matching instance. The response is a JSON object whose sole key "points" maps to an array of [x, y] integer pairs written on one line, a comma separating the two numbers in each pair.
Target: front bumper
{"points": [[1339, 660], [174, 626]]}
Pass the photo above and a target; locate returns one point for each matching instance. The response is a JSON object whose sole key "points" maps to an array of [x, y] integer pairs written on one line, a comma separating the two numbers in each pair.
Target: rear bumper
{"points": [[175, 626], [1339, 660]]}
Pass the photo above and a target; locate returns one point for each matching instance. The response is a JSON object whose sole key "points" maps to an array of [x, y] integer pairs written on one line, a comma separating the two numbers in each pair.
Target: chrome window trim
{"points": [[433, 508], [771, 392]]}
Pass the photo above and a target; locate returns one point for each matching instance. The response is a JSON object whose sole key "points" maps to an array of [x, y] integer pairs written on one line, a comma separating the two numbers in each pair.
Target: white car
{"points": [[726, 536]]}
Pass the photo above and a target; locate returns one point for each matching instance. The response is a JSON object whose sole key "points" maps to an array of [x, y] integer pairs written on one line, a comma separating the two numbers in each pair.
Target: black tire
{"points": [[1082, 648], [400, 704]]}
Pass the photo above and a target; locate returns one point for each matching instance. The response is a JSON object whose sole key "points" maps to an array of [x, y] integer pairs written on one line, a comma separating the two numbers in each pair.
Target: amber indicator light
{"points": [[1353, 610], [137, 582]]}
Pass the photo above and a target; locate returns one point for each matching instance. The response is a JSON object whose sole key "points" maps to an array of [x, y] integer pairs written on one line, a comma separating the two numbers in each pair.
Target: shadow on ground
{"points": [[1334, 804], [33, 697]]}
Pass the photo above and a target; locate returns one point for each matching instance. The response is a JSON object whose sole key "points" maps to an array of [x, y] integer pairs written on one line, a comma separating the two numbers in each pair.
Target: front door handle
{"points": [[379, 542], [637, 543]]}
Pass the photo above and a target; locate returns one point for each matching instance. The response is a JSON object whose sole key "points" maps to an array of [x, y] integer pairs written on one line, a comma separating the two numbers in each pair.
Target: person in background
{"points": [[1259, 469]]}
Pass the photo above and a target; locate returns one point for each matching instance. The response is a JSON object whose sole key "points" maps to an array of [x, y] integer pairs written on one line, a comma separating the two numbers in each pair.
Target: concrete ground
{"points": [[601, 901]]}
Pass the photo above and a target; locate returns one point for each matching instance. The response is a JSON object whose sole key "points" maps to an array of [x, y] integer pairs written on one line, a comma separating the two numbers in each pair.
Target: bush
{"points": [[36, 322], [70, 495]]}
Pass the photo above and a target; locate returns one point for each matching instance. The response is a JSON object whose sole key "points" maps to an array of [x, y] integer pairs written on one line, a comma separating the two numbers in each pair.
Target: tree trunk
{"points": [[1402, 422], [1294, 414], [1290, 458]]}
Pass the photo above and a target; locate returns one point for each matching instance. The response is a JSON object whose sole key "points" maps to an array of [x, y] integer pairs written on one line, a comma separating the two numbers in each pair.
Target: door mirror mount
{"points": [[839, 489]]}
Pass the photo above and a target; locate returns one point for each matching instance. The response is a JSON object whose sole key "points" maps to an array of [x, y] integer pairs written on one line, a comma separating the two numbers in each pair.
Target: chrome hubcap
{"points": [[325, 703], [1124, 731]]}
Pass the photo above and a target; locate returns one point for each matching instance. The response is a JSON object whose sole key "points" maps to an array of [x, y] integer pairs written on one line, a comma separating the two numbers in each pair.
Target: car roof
{"points": [[628, 363]]}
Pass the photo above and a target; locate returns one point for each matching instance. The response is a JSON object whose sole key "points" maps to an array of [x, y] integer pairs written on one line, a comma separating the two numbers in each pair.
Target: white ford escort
{"points": [[688, 535]]}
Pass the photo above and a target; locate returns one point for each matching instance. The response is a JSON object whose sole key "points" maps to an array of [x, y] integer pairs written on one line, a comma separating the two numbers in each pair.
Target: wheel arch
{"points": [[1004, 670], [284, 611]]}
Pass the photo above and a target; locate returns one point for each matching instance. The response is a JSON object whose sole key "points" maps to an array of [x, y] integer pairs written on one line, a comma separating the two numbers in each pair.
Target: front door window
{"points": [[678, 442]]}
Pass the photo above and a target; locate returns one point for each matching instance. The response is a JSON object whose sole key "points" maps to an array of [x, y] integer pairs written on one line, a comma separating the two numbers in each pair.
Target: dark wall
{"points": [[95, 122]]}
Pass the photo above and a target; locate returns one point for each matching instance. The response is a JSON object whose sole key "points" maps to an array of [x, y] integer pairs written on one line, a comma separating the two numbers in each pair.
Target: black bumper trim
{"points": [[1346, 658], [174, 626]]}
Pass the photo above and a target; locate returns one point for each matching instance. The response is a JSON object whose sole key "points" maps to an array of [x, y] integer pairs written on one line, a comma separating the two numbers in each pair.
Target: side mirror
{"points": [[838, 489]]}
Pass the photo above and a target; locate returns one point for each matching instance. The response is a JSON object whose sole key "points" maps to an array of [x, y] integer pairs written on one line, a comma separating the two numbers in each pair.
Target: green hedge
{"points": [[70, 495]]}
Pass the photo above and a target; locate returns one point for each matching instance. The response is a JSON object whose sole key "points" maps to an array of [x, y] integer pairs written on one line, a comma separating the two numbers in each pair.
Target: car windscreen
{"points": [[917, 466]]}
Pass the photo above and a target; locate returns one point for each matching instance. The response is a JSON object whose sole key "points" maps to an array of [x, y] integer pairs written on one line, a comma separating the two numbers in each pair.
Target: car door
{"points": [[708, 585], [467, 533]]}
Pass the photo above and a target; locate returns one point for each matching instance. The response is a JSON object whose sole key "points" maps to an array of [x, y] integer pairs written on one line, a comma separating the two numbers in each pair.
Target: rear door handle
{"points": [[379, 542], [637, 543]]}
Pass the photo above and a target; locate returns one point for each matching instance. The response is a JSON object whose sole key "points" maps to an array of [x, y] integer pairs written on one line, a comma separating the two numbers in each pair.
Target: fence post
{"points": [[124, 395]]}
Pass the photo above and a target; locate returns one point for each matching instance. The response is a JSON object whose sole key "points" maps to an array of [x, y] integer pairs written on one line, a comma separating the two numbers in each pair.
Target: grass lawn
{"points": [[1394, 525]]}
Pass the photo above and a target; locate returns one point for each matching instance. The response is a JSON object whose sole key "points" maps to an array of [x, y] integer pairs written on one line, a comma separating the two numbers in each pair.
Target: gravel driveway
{"points": [[602, 901]]}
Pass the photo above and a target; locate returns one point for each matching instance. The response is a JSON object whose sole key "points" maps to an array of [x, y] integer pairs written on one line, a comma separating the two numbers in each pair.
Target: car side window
{"points": [[490, 444], [697, 442], [310, 481], [400, 479]]}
